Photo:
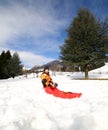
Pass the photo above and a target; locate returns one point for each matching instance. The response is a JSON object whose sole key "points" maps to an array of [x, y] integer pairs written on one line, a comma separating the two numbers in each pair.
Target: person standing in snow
{"points": [[46, 78]]}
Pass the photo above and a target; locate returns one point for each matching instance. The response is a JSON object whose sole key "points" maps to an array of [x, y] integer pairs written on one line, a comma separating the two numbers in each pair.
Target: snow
{"points": [[24, 105], [103, 69]]}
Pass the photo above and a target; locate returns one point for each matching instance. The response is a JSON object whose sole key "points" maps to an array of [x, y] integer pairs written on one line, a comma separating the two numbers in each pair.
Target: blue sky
{"points": [[37, 28]]}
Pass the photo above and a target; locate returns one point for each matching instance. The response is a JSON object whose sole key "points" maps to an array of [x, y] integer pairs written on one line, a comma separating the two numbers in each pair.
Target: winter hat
{"points": [[46, 68]]}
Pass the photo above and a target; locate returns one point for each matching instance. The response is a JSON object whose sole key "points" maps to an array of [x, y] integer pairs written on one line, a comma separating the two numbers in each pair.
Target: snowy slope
{"points": [[103, 69], [25, 106], [101, 72]]}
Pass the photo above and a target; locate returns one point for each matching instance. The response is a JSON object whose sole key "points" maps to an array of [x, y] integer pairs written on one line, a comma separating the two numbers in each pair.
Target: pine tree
{"points": [[86, 42], [4, 61], [15, 66], [10, 66], [2, 57]]}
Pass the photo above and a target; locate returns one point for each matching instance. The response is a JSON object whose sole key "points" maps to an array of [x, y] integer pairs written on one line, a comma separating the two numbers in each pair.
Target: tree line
{"points": [[10, 65], [86, 44]]}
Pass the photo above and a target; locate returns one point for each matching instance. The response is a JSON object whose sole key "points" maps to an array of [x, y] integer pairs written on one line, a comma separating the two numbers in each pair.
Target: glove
{"points": [[54, 84]]}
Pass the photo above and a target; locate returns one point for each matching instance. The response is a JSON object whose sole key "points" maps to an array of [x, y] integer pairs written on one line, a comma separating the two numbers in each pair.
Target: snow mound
{"points": [[103, 69]]}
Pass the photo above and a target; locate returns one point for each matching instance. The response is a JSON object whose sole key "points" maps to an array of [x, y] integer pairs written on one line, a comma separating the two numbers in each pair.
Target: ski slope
{"points": [[24, 105]]}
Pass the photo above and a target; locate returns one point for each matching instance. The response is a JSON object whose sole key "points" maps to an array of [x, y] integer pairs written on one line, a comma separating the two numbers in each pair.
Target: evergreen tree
{"points": [[15, 66], [2, 56], [4, 60], [86, 43], [10, 66]]}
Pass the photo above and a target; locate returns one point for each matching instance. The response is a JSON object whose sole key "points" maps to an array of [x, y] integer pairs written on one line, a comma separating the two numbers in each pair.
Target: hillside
{"points": [[58, 65], [103, 69], [55, 65]]}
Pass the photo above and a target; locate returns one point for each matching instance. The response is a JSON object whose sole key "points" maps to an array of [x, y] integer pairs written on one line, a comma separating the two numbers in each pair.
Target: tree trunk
{"points": [[86, 71]]}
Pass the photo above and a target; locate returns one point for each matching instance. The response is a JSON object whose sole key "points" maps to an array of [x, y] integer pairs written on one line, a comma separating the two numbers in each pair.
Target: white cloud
{"points": [[37, 20], [31, 59], [18, 20]]}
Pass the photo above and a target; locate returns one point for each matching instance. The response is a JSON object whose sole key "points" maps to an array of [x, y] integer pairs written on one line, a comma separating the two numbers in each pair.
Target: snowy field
{"points": [[24, 105]]}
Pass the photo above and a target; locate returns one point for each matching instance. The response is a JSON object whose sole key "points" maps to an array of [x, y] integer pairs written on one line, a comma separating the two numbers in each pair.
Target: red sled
{"points": [[58, 93]]}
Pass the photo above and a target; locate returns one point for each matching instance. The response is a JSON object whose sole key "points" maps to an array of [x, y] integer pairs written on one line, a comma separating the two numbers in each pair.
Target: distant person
{"points": [[46, 78]]}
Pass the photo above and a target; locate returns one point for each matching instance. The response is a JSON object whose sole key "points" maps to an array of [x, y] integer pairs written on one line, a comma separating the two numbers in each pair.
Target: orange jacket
{"points": [[46, 79]]}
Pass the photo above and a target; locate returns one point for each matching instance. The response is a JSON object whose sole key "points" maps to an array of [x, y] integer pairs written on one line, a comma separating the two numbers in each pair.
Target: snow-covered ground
{"points": [[24, 105]]}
